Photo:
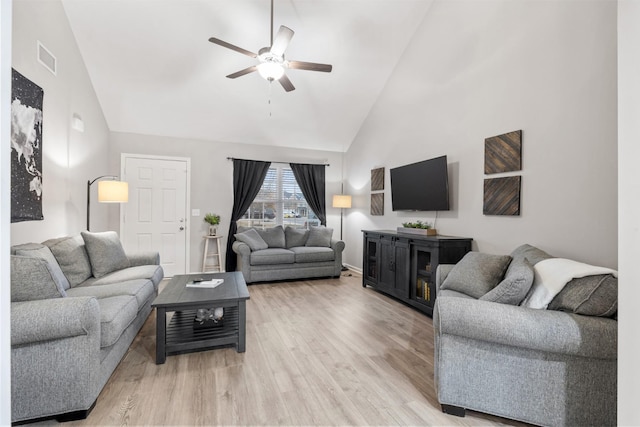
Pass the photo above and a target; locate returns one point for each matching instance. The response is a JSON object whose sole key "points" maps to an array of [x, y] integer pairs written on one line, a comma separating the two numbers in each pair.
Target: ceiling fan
{"points": [[272, 60]]}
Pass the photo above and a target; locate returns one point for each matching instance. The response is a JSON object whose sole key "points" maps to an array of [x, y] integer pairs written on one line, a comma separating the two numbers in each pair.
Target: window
{"points": [[279, 202]]}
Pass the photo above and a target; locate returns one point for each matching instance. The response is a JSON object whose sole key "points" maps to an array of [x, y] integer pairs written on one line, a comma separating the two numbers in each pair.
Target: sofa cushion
{"points": [[273, 237], [517, 282], [591, 296], [252, 239], [105, 252], [150, 272], [72, 257], [319, 236], [141, 289], [116, 313], [295, 237], [313, 254], [32, 279], [533, 254], [35, 250], [477, 273], [272, 256]]}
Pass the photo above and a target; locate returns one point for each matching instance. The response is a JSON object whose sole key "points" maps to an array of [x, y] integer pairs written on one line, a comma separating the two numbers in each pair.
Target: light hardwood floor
{"points": [[319, 352]]}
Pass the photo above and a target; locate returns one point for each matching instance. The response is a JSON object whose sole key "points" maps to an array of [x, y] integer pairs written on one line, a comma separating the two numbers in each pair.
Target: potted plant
{"points": [[213, 220], [418, 227]]}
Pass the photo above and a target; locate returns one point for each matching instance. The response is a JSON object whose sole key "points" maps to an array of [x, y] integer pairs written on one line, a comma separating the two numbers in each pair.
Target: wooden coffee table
{"points": [[180, 336]]}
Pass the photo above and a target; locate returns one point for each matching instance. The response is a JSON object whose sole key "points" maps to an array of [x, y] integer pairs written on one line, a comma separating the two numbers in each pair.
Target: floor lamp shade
{"points": [[113, 192], [341, 201]]}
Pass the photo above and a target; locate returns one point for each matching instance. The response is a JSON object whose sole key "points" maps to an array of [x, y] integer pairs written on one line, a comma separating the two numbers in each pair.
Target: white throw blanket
{"points": [[552, 275]]}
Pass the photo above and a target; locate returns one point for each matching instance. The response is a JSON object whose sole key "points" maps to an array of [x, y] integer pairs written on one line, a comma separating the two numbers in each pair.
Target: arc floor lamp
{"points": [[113, 191]]}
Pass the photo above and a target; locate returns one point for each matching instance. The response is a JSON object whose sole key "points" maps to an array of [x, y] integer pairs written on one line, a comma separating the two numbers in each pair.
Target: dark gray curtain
{"points": [[311, 179], [248, 176]]}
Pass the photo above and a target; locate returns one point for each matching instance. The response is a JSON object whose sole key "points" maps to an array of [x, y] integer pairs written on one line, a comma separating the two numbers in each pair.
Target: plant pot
{"points": [[420, 231], [213, 230]]}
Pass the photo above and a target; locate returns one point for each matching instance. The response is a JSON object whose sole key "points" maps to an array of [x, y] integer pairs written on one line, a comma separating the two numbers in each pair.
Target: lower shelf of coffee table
{"points": [[182, 337]]}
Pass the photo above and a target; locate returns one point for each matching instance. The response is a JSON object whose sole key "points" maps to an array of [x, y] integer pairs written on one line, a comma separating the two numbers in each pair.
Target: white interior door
{"points": [[155, 219]]}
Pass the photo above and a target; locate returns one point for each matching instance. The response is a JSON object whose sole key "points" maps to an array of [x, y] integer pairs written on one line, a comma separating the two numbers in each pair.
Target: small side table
{"points": [[216, 257]]}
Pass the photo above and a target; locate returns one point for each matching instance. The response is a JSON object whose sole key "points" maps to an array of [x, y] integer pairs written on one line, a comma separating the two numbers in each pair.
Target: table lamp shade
{"points": [[341, 201], [113, 192]]}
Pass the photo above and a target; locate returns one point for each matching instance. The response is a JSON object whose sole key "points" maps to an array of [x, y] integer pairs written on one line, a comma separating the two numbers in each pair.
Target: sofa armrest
{"points": [[144, 258], [53, 319], [241, 249], [337, 245], [516, 326]]}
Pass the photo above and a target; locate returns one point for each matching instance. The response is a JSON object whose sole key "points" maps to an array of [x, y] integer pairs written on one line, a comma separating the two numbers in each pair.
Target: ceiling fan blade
{"points": [[286, 83], [243, 72], [282, 40], [311, 66], [232, 47]]}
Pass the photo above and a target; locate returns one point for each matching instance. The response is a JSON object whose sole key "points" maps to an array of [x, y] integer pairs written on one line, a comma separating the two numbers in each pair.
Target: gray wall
{"points": [[69, 158], [479, 69], [212, 177]]}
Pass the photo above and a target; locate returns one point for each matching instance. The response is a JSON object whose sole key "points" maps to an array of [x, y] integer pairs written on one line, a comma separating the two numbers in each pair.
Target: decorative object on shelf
{"points": [[26, 149], [213, 220], [418, 227], [503, 153], [113, 191], [377, 204], [377, 179], [502, 196]]}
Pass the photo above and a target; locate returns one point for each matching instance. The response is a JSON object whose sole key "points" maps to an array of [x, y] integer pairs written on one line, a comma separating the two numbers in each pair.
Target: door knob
{"points": [[181, 228]]}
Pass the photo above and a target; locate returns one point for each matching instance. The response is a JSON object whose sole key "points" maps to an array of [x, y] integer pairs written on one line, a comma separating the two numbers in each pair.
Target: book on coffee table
{"points": [[205, 284]]}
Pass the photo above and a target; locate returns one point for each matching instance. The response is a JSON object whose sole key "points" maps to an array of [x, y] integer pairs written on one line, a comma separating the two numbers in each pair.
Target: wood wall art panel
{"points": [[377, 204], [502, 196], [503, 153], [377, 179]]}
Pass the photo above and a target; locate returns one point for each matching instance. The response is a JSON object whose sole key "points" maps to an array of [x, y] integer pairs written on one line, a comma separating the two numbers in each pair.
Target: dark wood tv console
{"points": [[404, 265]]}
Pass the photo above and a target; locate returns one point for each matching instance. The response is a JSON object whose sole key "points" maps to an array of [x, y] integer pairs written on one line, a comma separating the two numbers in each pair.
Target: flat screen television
{"points": [[421, 186]]}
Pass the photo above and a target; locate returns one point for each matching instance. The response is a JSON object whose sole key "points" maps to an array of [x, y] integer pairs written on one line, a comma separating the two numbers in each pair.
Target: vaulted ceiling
{"points": [[155, 72]]}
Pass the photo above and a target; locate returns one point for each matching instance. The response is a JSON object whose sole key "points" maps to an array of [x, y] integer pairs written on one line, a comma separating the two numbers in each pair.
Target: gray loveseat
{"points": [[551, 367], [77, 304], [291, 253]]}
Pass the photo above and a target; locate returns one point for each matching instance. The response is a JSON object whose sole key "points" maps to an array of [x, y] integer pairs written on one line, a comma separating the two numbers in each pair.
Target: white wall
{"points": [[5, 179], [629, 211], [70, 158], [212, 177], [479, 69]]}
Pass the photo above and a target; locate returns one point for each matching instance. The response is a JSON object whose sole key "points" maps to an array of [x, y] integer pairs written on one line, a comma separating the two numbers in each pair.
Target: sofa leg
{"points": [[453, 410]]}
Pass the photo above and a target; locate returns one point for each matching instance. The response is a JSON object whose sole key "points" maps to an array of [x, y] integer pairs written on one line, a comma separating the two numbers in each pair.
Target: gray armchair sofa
{"points": [[77, 304], [550, 367], [291, 253]]}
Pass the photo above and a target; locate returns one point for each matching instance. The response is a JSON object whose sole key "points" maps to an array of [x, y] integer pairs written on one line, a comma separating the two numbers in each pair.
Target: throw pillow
{"points": [[252, 238], [591, 296], [319, 236], [106, 253], [476, 273], [515, 286], [44, 253], [273, 237], [295, 237], [72, 257], [531, 253], [552, 275], [31, 280]]}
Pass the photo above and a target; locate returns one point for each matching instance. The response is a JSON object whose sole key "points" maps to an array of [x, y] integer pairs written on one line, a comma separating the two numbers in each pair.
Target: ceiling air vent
{"points": [[46, 58]]}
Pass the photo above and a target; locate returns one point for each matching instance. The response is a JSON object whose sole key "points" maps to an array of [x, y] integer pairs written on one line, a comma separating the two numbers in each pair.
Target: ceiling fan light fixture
{"points": [[270, 70]]}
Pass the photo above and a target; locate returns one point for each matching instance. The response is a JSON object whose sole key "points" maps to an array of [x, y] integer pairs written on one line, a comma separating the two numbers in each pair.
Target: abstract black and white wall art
{"points": [[26, 149]]}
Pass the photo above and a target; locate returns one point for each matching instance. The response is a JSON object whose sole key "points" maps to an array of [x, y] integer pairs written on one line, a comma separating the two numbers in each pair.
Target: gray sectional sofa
{"points": [[77, 303], [495, 354], [291, 253]]}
